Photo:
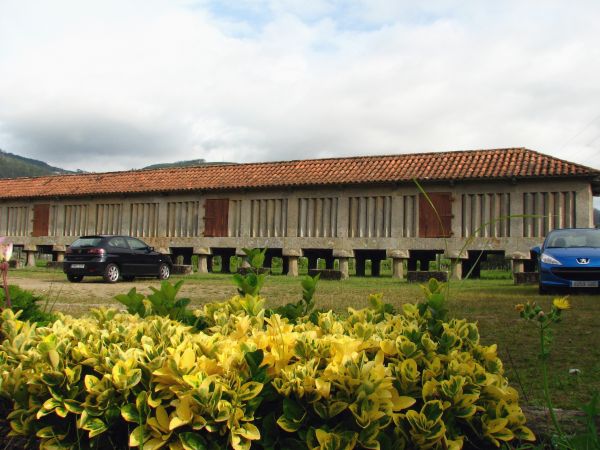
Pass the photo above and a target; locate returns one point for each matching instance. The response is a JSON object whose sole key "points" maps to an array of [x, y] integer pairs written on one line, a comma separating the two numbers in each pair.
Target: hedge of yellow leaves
{"points": [[368, 379]]}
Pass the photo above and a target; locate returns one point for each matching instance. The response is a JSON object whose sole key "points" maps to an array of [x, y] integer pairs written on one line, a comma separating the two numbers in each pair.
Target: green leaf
{"points": [[95, 426], [192, 441], [53, 378], [293, 410], [130, 413], [289, 425]]}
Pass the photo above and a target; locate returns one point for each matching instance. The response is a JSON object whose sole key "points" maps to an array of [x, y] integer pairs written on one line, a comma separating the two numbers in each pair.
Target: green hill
{"points": [[188, 163], [12, 166]]}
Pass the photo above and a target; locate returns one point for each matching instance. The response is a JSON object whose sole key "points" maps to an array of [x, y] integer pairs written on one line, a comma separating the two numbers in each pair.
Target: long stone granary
{"points": [[502, 200]]}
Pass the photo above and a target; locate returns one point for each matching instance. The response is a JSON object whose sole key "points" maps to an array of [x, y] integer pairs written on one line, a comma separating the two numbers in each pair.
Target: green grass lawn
{"points": [[489, 302]]}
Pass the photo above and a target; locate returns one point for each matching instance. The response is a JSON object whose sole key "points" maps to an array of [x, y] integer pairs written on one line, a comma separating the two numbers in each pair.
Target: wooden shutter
{"points": [[216, 213], [429, 223], [41, 220]]}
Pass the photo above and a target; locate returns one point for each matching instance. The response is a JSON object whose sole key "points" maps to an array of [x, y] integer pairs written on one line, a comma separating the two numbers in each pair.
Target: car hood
{"points": [[570, 255]]}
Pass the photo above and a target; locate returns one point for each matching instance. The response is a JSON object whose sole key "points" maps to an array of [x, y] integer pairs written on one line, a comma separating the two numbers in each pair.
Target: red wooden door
{"points": [[434, 225], [41, 220], [216, 214]]}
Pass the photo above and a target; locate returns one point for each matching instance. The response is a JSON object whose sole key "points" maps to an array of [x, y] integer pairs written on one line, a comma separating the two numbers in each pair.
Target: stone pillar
{"points": [[518, 261], [59, 251], [456, 264], [292, 266], [291, 255], [343, 257], [30, 251], [203, 254], [398, 258]]}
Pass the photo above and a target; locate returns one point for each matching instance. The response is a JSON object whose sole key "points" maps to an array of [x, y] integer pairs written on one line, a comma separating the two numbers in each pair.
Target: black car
{"points": [[112, 257]]}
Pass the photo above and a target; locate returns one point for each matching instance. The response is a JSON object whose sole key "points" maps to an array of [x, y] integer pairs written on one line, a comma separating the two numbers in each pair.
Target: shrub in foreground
{"points": [[370, 379]]}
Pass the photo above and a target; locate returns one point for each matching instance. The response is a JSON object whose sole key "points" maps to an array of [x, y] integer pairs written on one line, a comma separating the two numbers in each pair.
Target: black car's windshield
{"points": [[574, 238], [87, 242]]}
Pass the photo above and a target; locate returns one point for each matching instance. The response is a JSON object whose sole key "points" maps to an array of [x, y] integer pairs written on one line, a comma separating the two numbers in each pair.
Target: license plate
{"points": [[77, 266], [585, 284]]}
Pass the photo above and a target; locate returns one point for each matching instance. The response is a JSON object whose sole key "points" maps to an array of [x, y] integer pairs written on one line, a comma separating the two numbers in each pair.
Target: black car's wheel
{"points": [[128, 278], [111, 273], [164, 272], [74, 278]]}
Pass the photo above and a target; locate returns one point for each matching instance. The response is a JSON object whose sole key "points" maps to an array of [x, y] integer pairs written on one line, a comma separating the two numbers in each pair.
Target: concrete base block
{"points": [[182, 269], [326, 274], [423, 276], [526, 277]]}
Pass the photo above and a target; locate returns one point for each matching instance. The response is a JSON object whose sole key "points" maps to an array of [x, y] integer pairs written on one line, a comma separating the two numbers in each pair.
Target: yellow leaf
{"points": [[138, 436], [162, 418], [188, 360], [249, 431], [154, 444], [54, 358], [323, 387], [400, 401]]}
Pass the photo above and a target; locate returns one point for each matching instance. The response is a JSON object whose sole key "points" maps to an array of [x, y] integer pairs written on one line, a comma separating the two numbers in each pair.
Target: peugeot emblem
{"points": [[583, 260]]}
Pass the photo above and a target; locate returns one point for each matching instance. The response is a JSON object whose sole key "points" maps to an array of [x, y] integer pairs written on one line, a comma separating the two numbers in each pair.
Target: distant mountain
{"points": [[12, 166], [188, 163]]}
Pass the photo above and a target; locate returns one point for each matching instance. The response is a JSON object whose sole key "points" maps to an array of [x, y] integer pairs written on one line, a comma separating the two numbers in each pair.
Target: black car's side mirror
{"points": [[150, 249]]}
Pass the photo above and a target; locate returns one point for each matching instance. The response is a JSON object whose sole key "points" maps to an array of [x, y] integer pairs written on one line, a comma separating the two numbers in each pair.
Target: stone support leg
{"points": [[344, 268], [398, 268], [292, 266], [202, 263], [30, 258], [518, 265], [60, 256], [456, 266]]}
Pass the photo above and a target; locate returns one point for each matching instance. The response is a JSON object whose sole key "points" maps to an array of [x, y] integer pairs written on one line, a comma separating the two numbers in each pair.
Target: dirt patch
{"points": [[77, 298]]}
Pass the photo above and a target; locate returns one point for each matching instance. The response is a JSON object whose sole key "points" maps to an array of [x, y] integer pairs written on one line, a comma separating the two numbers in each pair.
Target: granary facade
{"points": [[367, 208]]}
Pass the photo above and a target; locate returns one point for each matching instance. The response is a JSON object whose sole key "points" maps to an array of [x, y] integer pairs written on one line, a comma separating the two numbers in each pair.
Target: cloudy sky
{"points": [[117, 84]]}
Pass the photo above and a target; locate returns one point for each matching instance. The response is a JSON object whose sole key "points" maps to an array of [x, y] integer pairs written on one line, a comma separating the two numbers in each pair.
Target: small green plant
{"points": [[533, 313], [252, 282], [162, 302], [29, 304], [306, 305]]}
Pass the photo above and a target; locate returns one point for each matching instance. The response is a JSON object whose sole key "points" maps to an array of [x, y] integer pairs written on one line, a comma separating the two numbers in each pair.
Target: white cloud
{"points": [[113, 85]]}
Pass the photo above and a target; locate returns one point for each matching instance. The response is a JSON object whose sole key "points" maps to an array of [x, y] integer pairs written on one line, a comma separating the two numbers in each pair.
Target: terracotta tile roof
{"points": [[458, 165]]}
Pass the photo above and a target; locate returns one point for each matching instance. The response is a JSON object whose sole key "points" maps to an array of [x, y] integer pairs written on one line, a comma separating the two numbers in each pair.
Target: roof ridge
{"points": [[278, 162]]}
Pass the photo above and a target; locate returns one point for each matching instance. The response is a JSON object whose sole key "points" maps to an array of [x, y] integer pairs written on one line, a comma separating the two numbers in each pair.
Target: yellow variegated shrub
{"points": [[368, 379]]}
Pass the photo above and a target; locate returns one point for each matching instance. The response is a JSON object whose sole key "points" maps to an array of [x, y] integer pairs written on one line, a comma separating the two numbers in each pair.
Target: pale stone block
{"points": [[292, 266], [344, 268]]}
